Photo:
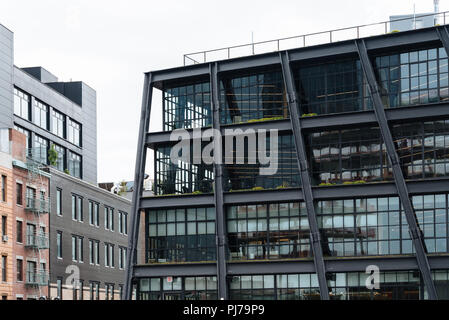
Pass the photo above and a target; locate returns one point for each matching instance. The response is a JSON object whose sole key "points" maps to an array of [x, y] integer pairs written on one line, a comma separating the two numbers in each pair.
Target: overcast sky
{"points": [[109, 44]]}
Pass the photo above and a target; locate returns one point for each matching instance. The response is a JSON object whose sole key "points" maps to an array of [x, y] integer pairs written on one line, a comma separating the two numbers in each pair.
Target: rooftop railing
{"points": [[306, 40]]}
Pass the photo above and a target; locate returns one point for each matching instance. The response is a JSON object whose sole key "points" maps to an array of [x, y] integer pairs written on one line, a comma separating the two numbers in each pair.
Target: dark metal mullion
{"points": [[415, 232], [138, 182], [218, 192], [306, 186]]}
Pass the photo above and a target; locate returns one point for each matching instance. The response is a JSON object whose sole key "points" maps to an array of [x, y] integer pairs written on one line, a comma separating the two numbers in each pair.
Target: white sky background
{"points": [[109, 44]]}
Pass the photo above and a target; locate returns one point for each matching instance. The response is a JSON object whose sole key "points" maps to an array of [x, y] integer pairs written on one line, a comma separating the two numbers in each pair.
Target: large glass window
{"points": [[58, 123], [393, 286], [377, 226], [22, 104], [275, 287], [181, 235], [274, 231], [413, 77], [255, 96], [74, 164], [332, 88], [348, 156], [423, 148], [40, 149], [182, 177], [61, 156], [74, 132], [178, 288], [40, 114], [247, 175], [187, 106]]}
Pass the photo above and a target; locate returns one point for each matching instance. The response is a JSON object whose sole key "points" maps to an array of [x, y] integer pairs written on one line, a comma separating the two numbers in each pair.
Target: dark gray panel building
{"points": [[361, 188], [88, 234]]}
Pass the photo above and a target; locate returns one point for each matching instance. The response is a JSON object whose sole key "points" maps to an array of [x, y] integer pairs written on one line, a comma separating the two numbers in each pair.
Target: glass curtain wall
{"points": [[181, 235], [253, 96], [178, 288]]}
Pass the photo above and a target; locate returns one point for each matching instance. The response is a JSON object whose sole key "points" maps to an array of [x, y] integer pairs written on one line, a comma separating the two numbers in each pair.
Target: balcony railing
{"points": [[37, 278], [305, 40], [37, 241], [37, 205]]}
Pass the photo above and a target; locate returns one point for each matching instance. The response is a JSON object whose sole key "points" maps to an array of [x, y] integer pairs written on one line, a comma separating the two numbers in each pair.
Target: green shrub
{"points": [[309, 115]]}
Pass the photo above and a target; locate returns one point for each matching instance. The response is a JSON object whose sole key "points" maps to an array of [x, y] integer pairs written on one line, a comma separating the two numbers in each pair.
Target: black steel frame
{"points": [[422, 262]]}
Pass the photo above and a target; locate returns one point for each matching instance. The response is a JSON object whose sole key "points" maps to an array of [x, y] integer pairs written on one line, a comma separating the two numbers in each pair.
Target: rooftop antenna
{"points": [[436, 9], [414, 16]]}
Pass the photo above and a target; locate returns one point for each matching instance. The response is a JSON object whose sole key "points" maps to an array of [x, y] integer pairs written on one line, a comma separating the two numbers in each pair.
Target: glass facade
{"points": [[182, 177], [181, 235], [40, 149], [274, 231], [247, 175], [347, 156], [40, 114], [332, 88], [253, 96], [58, 123], [178, 288], [187, 106], [423, 148], [60, 162], [275, 287], [413, 77]]}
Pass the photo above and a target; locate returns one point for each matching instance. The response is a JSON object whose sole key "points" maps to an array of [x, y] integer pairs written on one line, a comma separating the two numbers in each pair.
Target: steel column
{"points": [[218, 188], [315, 237], [443, 34], [415, 231], [139, 174]]}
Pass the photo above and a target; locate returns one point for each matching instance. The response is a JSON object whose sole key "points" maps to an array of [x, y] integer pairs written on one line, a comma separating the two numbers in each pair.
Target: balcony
{"points": [[39, 206], [37, 278], [37, 241]]}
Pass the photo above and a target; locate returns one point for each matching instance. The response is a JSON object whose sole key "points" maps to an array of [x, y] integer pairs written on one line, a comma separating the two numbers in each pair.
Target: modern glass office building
{"points": [[362, 179]]}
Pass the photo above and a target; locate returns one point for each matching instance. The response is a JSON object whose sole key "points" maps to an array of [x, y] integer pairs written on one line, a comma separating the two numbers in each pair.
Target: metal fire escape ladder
{"points": [[415, 231], [306, 186]]}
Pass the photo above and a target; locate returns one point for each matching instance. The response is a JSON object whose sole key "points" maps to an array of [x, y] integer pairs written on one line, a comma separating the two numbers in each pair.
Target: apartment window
{"points": [[4, 187], [58, 123], [77, 248], [123, 222], [30, 197], [77, 208], [22, 104], [122, 258], [40, 149], [109, 255], [93, 213], [26, 133], [120, 291], [19, 267], [94, 252], [19, 232], [59, 202], [74, 164], [74, 132], [40, 114], [60, 161], [109, 218], [4, 268], [413, 77], [59, 244], [4, 226], [94, 290], [81, 286], [59, 288], [181, 235], [19, 194]]}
